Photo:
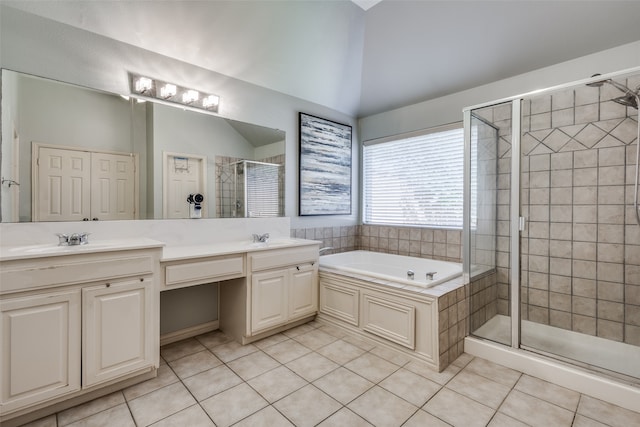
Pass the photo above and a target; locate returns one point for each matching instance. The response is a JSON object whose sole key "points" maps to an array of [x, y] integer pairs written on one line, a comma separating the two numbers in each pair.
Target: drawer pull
{"points": [[108, 285]]}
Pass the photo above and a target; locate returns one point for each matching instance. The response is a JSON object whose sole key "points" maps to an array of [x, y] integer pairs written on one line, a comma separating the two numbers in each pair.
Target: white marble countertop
{"points": [[10, 253], [181, 252], [169, 252]]}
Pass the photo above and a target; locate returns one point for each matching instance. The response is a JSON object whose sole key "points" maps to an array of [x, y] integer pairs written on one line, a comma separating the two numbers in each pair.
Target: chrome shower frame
{"points": [[514, 217]]}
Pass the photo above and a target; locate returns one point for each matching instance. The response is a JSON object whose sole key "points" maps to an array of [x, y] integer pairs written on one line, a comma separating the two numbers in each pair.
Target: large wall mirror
{"points": [[71, 153]]}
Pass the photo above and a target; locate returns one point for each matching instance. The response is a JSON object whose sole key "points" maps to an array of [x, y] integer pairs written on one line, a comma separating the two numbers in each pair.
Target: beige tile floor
{"points": [[318, 375]]}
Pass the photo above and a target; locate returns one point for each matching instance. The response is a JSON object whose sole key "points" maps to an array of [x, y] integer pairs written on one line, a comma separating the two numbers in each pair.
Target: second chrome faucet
{"points": [[261, 238]]}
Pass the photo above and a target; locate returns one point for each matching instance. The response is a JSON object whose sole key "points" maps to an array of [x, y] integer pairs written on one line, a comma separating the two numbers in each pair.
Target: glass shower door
{"points": [[489, 221], [580, 256]]}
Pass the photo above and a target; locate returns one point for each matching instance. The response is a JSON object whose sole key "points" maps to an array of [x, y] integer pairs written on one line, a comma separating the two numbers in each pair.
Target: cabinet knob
{"points": [[142, 279], [108, 285], [298, 267]]}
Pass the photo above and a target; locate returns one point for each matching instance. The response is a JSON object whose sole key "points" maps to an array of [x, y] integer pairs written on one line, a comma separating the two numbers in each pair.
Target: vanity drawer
{"points": [[204, 270], [275, 258], [21, 275]]}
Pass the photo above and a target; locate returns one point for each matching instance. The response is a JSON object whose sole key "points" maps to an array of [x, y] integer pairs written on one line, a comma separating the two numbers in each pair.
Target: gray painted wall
{"points": [[448, 109], [45, 48]]}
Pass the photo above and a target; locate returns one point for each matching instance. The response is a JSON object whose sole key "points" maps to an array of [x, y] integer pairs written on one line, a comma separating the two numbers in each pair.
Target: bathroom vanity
{"points": [[76, 319], [78, 322], [264, 287]]}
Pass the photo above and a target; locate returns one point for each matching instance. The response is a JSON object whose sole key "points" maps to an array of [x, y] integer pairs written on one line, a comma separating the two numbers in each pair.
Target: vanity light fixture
{"points": [[143, 87]]}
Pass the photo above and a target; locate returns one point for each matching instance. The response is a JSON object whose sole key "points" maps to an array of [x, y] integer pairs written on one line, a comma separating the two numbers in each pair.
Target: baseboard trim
{"points": [[189, 332], [562, 374]]}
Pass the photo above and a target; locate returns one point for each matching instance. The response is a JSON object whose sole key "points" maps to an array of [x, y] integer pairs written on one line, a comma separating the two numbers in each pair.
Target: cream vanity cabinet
{"points": [[117, 329], [71, 324], [40, 347], [281, 289]]}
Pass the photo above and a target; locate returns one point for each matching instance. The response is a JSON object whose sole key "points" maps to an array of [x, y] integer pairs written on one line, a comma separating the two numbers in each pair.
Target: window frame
{"points": [[405, 136]]}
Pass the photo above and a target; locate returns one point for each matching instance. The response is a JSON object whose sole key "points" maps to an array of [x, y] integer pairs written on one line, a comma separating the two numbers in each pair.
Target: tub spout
{"points": [[328, 248]]}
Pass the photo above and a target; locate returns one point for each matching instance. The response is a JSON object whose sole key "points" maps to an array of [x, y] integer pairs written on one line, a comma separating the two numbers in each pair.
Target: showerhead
{"points": [[599, 83], [629, 99]]}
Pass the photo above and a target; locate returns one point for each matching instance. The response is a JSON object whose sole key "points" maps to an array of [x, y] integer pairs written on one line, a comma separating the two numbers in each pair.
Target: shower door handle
{"points": [[522, 223]]}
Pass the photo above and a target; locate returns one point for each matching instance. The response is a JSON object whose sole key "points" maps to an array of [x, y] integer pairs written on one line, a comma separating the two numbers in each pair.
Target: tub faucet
{"points": [[410, 274], [328, 248], [431, 274], [261, 238]]}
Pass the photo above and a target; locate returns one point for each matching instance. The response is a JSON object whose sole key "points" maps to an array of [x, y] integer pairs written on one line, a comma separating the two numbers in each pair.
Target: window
{"points": [[415, 179]]}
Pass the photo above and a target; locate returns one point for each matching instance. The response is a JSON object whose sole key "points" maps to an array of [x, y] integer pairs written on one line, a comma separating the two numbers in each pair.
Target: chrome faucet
{"points": [[73, 239], [431, 274], [261, 238], [410, 274], [328, 248]]}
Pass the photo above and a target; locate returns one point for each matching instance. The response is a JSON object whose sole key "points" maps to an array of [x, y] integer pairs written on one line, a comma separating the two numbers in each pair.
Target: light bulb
{"points": [[168, 90], [190, 96], [143, 84], [210, 101]]}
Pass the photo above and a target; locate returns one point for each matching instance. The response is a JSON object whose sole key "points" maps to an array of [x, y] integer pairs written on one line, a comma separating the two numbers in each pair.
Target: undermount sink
{"points": [[54, 248], [275, 243]]}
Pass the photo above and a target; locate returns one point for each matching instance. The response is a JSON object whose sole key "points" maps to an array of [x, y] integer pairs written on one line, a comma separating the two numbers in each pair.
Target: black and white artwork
{"points": [[325, 167]]}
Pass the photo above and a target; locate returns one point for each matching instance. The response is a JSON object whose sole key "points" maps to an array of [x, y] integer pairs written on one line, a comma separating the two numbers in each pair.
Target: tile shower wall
{"points": [[581, 249], [225, 184]]}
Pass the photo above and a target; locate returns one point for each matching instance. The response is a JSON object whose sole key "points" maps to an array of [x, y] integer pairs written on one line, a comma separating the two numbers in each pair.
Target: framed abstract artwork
{"points": [[325, 167]]}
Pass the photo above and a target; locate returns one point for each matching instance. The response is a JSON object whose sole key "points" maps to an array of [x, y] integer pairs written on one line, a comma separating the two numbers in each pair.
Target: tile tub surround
{"points": [[435, 243], [483, 300], [453, 324], [334, 380]]}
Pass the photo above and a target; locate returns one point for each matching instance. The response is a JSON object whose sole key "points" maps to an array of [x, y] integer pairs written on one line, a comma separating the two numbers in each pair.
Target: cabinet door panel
{"points": [[268, 299], [340, 301], [303, 291], [389, 319], [40, 354], [117, 330]]}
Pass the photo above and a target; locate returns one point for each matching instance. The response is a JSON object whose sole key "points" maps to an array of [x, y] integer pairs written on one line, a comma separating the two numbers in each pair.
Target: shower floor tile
{"points": [[343, 382]]}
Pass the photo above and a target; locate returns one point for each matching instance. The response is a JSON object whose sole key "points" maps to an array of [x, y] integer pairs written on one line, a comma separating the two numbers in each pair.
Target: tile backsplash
{"points": [[442, 244]]}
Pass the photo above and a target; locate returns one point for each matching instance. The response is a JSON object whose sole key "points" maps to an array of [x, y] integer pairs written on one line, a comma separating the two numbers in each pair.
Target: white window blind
{"points": [[415, 180], [263, 189]]}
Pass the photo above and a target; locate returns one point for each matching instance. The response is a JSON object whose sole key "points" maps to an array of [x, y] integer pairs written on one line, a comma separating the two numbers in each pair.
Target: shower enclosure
{"points": [[250, 189], [552, 225]]}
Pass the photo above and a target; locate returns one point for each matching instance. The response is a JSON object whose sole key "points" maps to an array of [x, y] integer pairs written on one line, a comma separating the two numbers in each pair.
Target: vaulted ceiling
{"points": [[360, 62]]}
